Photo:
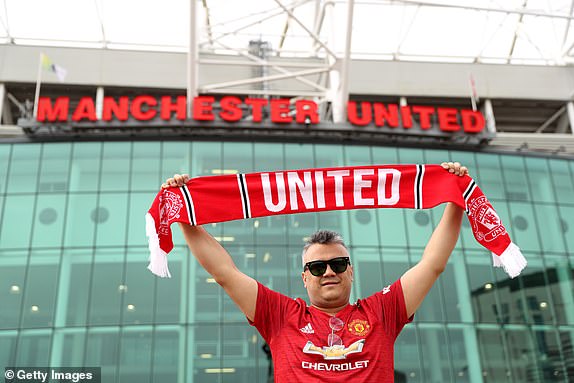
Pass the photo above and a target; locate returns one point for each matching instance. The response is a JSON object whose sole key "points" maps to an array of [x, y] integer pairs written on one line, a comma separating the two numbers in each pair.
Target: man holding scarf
{"points": [[330, 340]]}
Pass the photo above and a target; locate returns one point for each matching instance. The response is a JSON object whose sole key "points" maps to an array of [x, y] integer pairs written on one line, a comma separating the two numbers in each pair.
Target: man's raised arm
{"points": [[241, 288], [418, 280]]}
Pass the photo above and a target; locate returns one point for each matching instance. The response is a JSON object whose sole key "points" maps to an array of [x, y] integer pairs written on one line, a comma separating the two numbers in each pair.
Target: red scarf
{"points": [[229, 197]]}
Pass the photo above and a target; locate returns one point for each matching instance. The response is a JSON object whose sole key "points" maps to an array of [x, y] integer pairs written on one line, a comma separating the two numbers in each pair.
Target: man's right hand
{"points": [[177, 180]]}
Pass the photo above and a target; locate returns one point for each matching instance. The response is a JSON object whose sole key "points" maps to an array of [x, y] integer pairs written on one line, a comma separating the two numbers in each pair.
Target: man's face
{"points": [[330, 289]]}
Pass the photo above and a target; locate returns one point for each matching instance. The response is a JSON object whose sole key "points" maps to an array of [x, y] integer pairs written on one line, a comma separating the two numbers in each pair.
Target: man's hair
{"points": [[322, 237]]}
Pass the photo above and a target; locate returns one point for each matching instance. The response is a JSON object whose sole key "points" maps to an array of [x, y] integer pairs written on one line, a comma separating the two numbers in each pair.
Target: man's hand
{"points": [[455, 168], [178, 180]]}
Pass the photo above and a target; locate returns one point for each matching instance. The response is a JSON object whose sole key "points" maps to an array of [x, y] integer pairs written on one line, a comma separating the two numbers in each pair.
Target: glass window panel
{"points": [[102, 350], [539, 179], [550, 228], [49, 225], [165, 354], [176, 158], [72, 349], [135, 354], [392, 227], [116, 158], [78, 273], [145, 174], [515, 181], [337, 220], [435, 354], [137, 304], [80, 222], [17, 215], [208, 296], [489, 176], [239, 351], [296, 289], [33, 348], [368, 275], [419, 226], [512, 298], [458, 342], [566, 342], [301, 226], [436, 157], [563, 181], [8, 350], [493, 355], [384, 155], [12, 273], [207, 158], [431, 309], [170, 302], [86, 163], [358, 155], [534, 282], [110, 217], [566, 214], [106, 298], [395, 264], [40, 291], [483, 289], [270, 230], [55, 168], [4, 164], [453, 291], [522, 226], [549, 356], [522, 355], [411, 156], [329, 156], [560, 274], [139, 204], [407, 357], [299, 156], [24, 164], [206, 351]]}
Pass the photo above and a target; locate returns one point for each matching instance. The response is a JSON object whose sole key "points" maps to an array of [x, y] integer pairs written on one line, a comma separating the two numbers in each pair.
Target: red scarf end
{"points": [[511, 260], [158, 257]]}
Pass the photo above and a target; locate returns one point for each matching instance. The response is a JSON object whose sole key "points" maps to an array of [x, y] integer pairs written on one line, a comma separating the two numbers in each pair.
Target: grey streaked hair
{"points": [[322, 237]]}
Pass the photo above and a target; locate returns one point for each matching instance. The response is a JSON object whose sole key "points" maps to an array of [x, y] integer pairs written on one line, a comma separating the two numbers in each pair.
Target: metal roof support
{"points": [[523, 11], [275, 67], [518, 25], [310, 32], [208, 22], [263, 79], [570, 110], [192, 56], [552, 118], [342, 92], [2, 100], [489, 116], [566, 30], [269, 14]]}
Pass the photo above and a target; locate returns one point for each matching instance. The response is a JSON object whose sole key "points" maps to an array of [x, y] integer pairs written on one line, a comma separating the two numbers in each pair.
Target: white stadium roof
{"points": [[537, 32]]}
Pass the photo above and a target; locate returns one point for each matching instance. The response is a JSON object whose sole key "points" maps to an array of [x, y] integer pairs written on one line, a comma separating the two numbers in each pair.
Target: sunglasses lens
{"points": [[338, 265], [318, 269]]}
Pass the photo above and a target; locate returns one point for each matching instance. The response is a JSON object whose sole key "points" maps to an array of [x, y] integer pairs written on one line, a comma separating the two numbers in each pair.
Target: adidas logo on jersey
{"points": [[308, 329]]}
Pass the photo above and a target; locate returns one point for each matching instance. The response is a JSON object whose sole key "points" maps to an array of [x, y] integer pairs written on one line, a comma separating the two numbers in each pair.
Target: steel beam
{"points": [[192, 56], [342, 93]]}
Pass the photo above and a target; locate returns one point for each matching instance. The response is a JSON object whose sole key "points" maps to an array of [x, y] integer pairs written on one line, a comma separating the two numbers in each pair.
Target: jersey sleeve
{"points": [[390, 304], [271, 311]]}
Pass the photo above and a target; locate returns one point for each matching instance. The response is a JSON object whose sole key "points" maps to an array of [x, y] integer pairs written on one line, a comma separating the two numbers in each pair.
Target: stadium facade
{"points": [[75, 186]]}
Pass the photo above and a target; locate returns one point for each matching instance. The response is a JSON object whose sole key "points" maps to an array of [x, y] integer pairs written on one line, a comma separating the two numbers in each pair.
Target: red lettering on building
{"points": [[168, 107], [86, 110], [119, 110], [448, 119], [230, 109], [280, 111], [57, 113]]}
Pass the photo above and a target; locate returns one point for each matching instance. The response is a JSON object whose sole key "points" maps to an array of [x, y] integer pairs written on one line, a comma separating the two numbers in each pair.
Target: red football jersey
{"points": [[298, 337]]}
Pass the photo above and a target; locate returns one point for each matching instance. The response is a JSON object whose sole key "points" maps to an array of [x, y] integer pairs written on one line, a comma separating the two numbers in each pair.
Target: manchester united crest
{"points": [[359, 327], [485, 222], [171, 205]]}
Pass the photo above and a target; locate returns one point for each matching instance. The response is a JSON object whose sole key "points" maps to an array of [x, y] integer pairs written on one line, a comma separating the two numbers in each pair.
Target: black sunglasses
{"points": [[318, 268]]}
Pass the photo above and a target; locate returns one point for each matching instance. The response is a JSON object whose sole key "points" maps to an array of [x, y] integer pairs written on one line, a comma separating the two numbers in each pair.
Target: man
{"points": [[331, 340]]}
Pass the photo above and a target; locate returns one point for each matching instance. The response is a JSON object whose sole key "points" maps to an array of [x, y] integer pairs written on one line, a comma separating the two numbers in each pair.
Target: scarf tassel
{"points": [[511, 260], [158, 257]]}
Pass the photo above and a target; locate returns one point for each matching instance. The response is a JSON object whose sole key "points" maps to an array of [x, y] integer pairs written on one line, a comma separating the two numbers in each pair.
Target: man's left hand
{"points": [[455, 168]]}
